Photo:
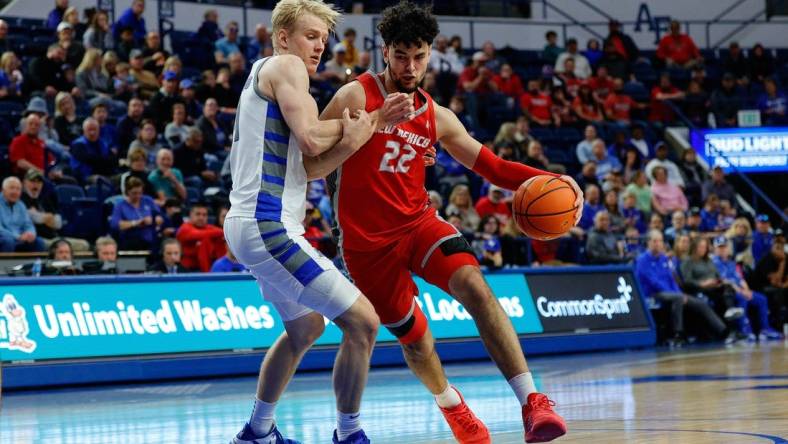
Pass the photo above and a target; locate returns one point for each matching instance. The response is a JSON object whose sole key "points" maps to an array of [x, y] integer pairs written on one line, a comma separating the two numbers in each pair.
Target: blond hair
{"points": [[286, 12], [89, 60]]}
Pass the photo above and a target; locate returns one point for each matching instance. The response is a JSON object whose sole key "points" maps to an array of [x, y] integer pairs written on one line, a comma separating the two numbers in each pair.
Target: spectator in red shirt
{"points": [[660, 111], [677, 49], [618, 105], [202, 242], [508, 82], [493, 204], [27, 149], [586, 107], [568, 79], [601, 84], [537, 105], [477, 78]]}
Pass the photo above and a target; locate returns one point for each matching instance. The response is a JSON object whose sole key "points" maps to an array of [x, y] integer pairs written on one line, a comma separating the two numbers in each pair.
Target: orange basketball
{"points": [[544, 207]]}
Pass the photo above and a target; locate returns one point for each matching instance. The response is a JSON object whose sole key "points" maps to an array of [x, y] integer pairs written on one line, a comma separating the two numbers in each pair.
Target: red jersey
{"points": [[537, 106], [378, 193]]}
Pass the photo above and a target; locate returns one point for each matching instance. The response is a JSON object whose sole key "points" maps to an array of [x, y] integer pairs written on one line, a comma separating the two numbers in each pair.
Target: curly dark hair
{"points": [[408, 23]]}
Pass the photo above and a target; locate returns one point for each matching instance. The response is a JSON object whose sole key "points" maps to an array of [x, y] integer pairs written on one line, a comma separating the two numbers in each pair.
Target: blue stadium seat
{"points": [[193, 194], [66, 193], [637, 91], [569, 135]]}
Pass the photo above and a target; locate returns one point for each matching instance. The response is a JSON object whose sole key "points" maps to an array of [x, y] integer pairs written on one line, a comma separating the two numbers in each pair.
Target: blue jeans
{"points": [[9, 244], [761, 306]]}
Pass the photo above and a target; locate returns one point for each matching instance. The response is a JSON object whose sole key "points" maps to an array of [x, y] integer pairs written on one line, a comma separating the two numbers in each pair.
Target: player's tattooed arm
{"points": [[288, 82]]}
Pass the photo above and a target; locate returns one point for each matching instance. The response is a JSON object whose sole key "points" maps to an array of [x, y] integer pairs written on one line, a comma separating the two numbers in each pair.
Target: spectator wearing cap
{"points": [[38, 106], [773, 104], [43, 209], [719, 186], [160, 106], [17, 232], [661, 160], [665, 196], [622, 43], [129, 125], [73, 48], [133, 20], [216, 135], [762, 237], [135, 219], [209, 29], [771, 278], [228, 44], [727, 101], [477, 78], [147, 81], [27, 149], [582, 67], [603, 246], [46, 72], [493, 204], [335, 71], [677, 49], [91, 157], [192, 105], [99, 35]]}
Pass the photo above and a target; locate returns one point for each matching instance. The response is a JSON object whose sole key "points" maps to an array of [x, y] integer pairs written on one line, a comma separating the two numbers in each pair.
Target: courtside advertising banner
{"points": [[61, 318], [750, 150]]}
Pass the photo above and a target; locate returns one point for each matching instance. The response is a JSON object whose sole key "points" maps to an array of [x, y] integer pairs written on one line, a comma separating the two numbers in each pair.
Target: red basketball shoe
{"points": [[541, 423], [465, 426]]}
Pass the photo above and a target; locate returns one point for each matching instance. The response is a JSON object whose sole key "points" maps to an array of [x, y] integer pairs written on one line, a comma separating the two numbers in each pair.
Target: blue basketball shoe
{"points": [[246, 436], [356, 438]]}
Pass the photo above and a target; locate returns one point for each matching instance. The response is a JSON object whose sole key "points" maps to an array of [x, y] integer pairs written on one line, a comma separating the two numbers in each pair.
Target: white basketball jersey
{"points": [[269, 179]]}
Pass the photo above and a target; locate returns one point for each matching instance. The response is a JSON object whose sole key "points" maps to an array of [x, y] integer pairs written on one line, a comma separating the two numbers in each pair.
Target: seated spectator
{"points": [[567, 80], [107, 132], [126, 44], [621, 146], [605, 164], [666, 197], [135, 219], [592, 205], [56, 15], [753, 303], [719, 186], [593, 52], [223, 92], [586, 106], [494, 61], [42, 207], [601, 84], [45, 74], [740, 235], [710, 214], [661, 93], [173, 217], [166, 181], [761, 63], [562, 109], [154, 56], [106, 261], [603, 246], [27, 149], [696, 104], [72, 47], [177, 130], [123, 83], [67, 124], [657, 278], [633, 247], [661, 160], [147, 139], [536, 158], [727, 215], [582, 66], [771, 278], [129, 125], [618, 106], [735, 62], [190, 159], [461, 203], [633, 216], [487, 244], [137, 160], [238, 74], [551, 49], [146, 80], [98, 35], [335, 70], [227, 264], [506, 138], [622, 43], [90, 156], [477, 78], [617, 223], [587, 175], [584, 147], [762, 237], [11, 77], [160, 106], [493, 204], [215, 136], [641, 190], [228, 44], [638, 140], [678, 223], [132, 19], [537, 105], [202, 242], [170, 262], [192, 106], [444, 60], [773, 104], [209, 29], [677, 49], [17, 232], [693, 220], [694, 176], [726, 102], [509, 83], [613, 62], [262, 46], [5, 45]]}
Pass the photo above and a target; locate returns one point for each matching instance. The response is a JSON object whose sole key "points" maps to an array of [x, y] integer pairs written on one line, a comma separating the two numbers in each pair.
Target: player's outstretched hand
{"points": [[358, 129], [579, 193], [397, 108], [429, 156]]}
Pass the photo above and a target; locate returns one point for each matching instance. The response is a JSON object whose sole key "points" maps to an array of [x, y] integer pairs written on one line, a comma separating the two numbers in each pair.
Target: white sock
{"points": [[347, 424], [449, 398], [523, 385], [262, 417]]}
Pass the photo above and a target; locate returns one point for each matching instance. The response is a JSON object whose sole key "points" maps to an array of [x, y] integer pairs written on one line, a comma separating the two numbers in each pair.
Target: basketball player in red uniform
{"points": [[388, 230]]}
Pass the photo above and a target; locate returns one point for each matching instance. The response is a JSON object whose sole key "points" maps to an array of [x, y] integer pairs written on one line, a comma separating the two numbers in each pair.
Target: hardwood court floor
{"points": [[698, 395]]}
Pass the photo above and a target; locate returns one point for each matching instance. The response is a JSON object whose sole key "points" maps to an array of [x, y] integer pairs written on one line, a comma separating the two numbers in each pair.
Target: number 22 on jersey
{"points": [[397, 157]]}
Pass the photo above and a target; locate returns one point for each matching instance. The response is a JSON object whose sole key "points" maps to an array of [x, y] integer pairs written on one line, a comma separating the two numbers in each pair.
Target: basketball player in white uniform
{"points": [[278, 144]]}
